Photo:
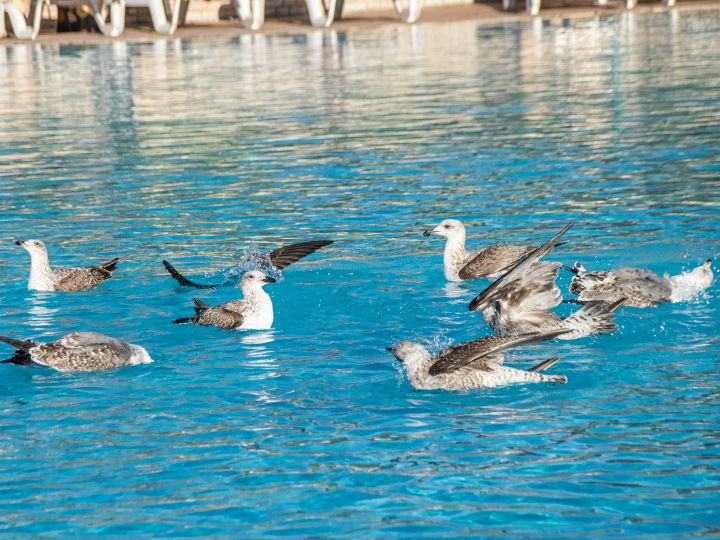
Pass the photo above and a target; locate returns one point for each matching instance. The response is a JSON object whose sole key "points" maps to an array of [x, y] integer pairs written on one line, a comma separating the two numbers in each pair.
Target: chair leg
{"points": [[251, 13], [159, 17], [19, 25], [3, 31], [319, 15], [413, 12]]}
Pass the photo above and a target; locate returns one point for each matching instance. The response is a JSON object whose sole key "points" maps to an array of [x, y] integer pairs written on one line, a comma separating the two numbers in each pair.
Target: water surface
{"points": [[193, 150]]}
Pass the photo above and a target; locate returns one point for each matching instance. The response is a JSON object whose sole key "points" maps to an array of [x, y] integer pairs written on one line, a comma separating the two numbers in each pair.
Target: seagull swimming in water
{"points": [[79, 351], [474, 364], [280, 259], [62, 278], [641, 288], [520, 301], [253, 312], [461, 265]]}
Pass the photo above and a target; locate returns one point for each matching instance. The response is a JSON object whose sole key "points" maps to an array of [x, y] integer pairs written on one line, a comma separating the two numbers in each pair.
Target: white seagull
{"points": [[461, 265], [253, 312], [62, 278]]}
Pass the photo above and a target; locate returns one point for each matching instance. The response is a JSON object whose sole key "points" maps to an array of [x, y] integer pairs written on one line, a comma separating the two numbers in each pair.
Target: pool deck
{"points": [[482, 13]]}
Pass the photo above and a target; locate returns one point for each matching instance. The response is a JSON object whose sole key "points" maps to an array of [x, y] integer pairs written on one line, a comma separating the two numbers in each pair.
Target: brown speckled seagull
{"points": [[254, 311], [460, 264], [62, 278], [520, 301], [474, 364], [79, 351], [641, 288]]}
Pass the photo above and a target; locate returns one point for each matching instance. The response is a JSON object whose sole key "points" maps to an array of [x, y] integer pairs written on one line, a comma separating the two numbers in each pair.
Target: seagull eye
{"points": [[37, 243], [447, 226]]}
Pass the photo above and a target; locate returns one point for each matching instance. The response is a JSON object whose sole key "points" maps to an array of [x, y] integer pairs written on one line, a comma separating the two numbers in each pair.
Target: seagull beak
{"points": [[570, 269], [429, 232], [389, 349], [269, 280], [18, 242]]}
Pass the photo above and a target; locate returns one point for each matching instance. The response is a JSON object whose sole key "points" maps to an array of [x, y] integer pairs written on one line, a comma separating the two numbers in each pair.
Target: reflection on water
{"points": [[41, 317]]}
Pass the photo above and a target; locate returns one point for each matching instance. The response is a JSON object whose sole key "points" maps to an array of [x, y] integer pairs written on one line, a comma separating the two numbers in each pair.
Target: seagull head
{"points": [[576, 269], [254, 279], [449, 228], [33, 246], [409, 353]]}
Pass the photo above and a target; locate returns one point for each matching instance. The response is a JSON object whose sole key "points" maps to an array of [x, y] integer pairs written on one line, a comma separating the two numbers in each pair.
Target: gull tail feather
{"points": [[20, 345], [593, 318]]}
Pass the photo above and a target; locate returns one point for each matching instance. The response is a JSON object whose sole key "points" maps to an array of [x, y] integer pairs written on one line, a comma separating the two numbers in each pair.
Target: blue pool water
{"points": [[192, 150]]}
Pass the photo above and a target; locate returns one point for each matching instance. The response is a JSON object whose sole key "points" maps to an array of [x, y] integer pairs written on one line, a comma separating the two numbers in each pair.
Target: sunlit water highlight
{"points": [[192, 151]]}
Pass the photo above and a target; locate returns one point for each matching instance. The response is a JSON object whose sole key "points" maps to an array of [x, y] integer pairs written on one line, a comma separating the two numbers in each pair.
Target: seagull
{"points": [[461, 265], [279, 258], [62, 278], [79, 351], [519, 302], [641, 288], [474, 364], [253, 312]]}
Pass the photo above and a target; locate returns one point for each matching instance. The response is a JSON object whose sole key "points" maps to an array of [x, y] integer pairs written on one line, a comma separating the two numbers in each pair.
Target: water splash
{"points": [[251, 258]]}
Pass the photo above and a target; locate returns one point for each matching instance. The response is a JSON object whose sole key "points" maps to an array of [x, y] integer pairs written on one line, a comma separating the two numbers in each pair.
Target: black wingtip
{"points": [[182, 280], [183, 320]]}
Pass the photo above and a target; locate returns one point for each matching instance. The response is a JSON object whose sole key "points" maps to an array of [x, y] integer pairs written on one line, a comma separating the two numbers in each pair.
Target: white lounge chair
{"points": [[109, 16], [252, 12]]}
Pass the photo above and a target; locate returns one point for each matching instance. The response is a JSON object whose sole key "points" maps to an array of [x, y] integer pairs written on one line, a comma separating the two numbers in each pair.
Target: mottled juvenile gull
{"points": [[62, 278], [280, 258], [254, 311], [641, 288], [474, 364], [520, 302], [518, 270], [79, 351], [460, 265]]}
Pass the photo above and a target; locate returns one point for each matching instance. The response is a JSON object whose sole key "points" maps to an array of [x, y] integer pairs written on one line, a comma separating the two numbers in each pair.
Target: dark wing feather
{"points": [[182, 280], [464, 354], [517, 271], [284, 256], [21, 345]]}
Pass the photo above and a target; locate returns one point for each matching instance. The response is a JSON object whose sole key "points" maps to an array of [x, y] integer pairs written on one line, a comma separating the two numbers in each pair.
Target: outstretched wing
{"points": [[182, 280], [518, 271], [493, 260], [535, 291], [481, 353], [284, 256]]}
